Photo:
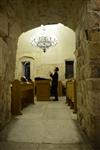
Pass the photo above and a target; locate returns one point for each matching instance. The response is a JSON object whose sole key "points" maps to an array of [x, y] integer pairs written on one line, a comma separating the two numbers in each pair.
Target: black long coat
{"points": [[54, 82]]}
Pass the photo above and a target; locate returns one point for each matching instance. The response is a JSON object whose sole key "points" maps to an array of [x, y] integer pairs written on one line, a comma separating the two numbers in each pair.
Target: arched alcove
{"points": [[21, 62], [44, 62]]}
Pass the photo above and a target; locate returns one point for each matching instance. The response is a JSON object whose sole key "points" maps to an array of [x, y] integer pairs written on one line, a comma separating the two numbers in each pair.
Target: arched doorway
{"points": [[26, 69], [54, 56]]}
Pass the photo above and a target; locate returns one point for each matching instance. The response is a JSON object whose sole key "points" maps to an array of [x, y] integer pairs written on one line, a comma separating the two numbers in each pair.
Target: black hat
{"points": [[57, 69]]}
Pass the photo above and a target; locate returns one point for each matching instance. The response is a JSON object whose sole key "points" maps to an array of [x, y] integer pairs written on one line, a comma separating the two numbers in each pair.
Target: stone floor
{"points": [[44, 126]]}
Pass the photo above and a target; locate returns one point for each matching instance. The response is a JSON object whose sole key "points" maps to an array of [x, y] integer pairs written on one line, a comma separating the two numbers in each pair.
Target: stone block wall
{"points": [[9, 32], [88, 70]]}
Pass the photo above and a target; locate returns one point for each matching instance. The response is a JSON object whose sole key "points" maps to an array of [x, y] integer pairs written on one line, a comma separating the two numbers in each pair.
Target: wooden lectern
{"points": [[42, 90]]}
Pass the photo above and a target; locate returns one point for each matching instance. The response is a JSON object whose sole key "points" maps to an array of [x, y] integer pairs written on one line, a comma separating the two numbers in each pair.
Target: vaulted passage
{"points": [[83, 17]]}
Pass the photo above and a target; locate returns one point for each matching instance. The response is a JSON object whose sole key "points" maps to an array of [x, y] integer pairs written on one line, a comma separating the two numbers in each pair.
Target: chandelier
{"points": [[43, 40]]}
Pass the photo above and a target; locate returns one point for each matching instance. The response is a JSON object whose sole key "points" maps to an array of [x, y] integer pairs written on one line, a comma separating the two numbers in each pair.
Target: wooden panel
{"points": [[15, 96], [71, 93], [59, 88], [42, 90], [21, 94]]}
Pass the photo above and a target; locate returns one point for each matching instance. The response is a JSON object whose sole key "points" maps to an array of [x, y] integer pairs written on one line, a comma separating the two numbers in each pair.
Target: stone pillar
{"points": [[9, 32], [88, 71]]}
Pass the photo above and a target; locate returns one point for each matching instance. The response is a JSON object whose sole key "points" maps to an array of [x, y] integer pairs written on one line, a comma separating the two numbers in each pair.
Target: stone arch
{"points": [[26, 58], [65, 47]]}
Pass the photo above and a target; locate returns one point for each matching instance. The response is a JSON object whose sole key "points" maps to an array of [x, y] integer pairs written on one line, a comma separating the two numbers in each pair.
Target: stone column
{"points": [[88, 70]]}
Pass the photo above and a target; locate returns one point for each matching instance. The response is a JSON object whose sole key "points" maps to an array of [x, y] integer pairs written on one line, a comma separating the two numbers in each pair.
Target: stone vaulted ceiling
{"points": [[33, 13]]}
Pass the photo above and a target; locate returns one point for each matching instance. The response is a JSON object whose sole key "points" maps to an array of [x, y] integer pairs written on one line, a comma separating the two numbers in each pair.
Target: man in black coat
{"points": [[54, 83]]}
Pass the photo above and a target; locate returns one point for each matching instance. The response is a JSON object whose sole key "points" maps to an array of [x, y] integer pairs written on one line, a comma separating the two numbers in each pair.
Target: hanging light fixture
{"points": [[43, 40]]}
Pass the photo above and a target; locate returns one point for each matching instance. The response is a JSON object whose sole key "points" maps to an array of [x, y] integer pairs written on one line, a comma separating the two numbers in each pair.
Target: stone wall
{"points": [[88, 70], [9, 32]]}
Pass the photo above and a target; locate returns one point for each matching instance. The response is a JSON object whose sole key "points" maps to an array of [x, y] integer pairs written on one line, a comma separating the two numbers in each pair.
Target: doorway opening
{"points": [[69, 69], [26, 69]]}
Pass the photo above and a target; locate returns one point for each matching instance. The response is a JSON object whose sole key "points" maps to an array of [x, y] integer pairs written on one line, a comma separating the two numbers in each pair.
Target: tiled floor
{"points": [[44, 126]]}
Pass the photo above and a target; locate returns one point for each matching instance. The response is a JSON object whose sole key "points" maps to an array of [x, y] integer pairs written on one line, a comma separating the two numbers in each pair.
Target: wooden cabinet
{"points": [[42, 90]]}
